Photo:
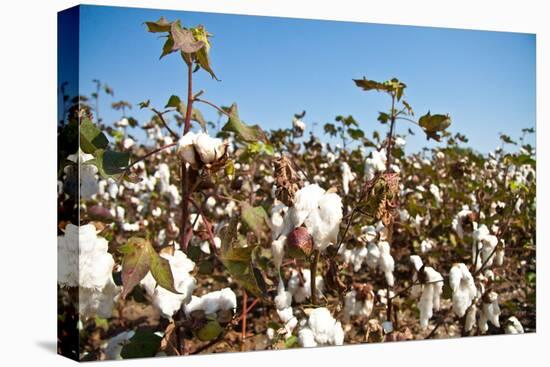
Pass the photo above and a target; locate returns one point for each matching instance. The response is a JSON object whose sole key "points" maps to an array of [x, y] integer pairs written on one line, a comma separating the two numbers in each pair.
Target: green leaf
{"points": [[184, 39], [135, 264], [144, 104], [383, 117], [168, 47], [91, 138], [291, 341], [111, 164], [434, 124], [230, 168], [248, 133], [256, 219], [356, 133], [142, 345], [202, 56], [173, 101], [161, 25], [161, 271], [238, 260], [368, 85], [210, 331]]}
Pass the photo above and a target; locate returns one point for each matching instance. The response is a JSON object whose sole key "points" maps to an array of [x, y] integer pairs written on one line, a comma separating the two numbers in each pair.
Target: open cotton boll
{"points": [[278, 251], [326, 330], [347, 176], [386, 262], [301, 291], [416, 261], [306, 338], [470, 318], [166, 301], [323, 224], [94, 302], [458, 219], [463, 287], [113, 347], [280, 224], [306, 200], [298, 124], [186, 148], [499, 254], [513, 326], [373, 255], [213, 302], [357, 307], [209, 149], [434, 190], [431, 295], [490, 312], [88, 180]]}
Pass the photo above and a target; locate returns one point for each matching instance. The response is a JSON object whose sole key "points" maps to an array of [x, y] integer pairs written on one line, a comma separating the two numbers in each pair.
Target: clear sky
{"points": [[275, 67]]}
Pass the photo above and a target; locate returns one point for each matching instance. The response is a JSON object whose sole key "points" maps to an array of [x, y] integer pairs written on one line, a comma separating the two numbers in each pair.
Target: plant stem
{"points": [[150, 154], [220, 110], [185, 193], [244, 313], [390, 134], [313, 275], [161, 117]]}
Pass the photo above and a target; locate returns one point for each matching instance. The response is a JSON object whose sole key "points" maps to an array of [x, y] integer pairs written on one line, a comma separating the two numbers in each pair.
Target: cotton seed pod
{"points": [[300, 243]]}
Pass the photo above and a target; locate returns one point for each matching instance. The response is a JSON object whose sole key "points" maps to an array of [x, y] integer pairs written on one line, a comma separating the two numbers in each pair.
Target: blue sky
{"points": [[275, 67]]}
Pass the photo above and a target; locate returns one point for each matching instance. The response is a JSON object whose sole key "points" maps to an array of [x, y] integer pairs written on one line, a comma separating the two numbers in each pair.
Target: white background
{"points": [[28, 180]]}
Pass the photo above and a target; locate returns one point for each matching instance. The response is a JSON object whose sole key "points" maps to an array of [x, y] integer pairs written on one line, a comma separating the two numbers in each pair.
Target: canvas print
{"points": [[233, 183]]}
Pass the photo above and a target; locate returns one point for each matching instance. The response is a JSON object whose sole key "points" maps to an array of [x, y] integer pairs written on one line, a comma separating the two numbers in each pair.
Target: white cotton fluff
{"points": [[320, 211], [386, 262], [355, 256], [209, 149], [278, 251], [186, 148], [211, 202], [123, 122], [470, 318], [431, 295], [513, 326], [354, 307], [213, 302], [194, 147], [113, 347], [373, 255], [127, 143], [301, 291], [298, 124], [163, 176], [463, 287], [426, 245], [347, 176], [89, 185], [490, 312], [324, 328], [164, 300], [84, 261], [486, 244], [434, 190], [283, 302], [404, 215], [280, 227], [457, 221], [323, 224]]}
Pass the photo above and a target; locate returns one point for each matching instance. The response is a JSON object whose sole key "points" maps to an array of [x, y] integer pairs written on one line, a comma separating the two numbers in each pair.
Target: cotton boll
{"points": [[306, 200], [513, 326], [186, 148], [463, 287], [431, 293], [347, 176], [373, 256], [298, 125], [209, 149], [386, 262], [499, 254], [213, 302], [416, 261], [306, 338], [211, 202], [426, 245], [436, 193], [283, 298], [166, 301], [301, 291], [470, 318], [326, 330], [324, 223], [358, 307], [278, 251], [97, 302], [113, 347]]}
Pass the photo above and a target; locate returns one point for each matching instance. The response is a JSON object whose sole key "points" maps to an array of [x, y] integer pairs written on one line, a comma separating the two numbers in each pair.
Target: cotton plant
{"points": [[464, 289]]}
